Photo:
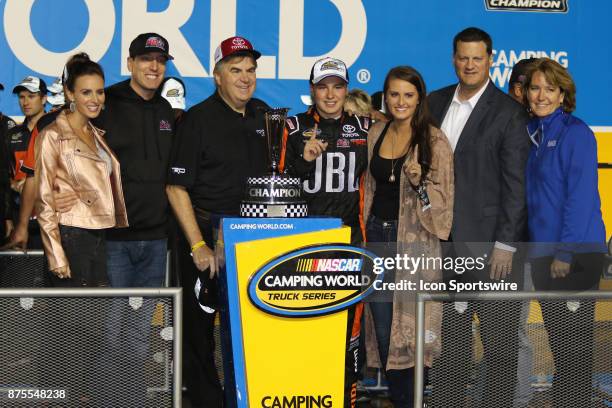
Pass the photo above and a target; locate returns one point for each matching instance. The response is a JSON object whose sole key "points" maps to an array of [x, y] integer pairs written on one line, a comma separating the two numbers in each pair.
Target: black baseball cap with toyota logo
{"points": [[150, 42]]}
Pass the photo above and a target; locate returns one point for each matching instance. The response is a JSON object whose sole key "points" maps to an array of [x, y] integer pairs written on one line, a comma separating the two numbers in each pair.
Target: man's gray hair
{"points": [[219, 65]]}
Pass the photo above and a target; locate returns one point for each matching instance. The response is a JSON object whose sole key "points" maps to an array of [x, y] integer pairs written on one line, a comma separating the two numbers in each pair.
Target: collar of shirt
{"points": [[474, 99], [313, 111], [248, 111], [458, 114]]}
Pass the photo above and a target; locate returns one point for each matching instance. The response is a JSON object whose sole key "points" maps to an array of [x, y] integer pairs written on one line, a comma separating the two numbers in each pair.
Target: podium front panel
{"points": [[281, 360]]}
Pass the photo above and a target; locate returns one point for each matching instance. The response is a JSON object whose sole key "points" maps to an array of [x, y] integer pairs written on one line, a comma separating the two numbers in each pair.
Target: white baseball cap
{"points": [[56, 93], [174, 92], [56, 87], [328, 67], [32, 84]]}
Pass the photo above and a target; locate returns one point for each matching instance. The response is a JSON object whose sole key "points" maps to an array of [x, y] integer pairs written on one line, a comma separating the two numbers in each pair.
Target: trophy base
{"points": [[273, 195], [250, 210]]}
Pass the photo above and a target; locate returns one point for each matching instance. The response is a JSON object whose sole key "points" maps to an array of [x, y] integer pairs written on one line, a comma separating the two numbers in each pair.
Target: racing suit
{"points": [[333, 186], [333, 182]]}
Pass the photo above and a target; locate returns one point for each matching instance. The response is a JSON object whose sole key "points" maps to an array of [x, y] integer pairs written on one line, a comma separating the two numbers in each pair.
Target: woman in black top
{"points": [[409, 200]]}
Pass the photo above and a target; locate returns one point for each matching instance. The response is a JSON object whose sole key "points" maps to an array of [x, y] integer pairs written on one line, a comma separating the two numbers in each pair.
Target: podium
{"points": [[288, 334]]}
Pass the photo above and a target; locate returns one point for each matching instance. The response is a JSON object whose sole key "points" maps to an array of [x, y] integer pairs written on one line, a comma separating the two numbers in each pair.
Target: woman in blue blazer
{"points": [[565, 224]]}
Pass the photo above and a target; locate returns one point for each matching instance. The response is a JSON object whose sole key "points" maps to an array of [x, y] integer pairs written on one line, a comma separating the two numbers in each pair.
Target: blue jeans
{"points": [[127, 334], [136, 264], [379, 232], [400, 382]]}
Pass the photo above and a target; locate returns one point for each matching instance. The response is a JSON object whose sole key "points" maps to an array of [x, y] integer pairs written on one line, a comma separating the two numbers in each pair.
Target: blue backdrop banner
{"points": [[371, 36]]}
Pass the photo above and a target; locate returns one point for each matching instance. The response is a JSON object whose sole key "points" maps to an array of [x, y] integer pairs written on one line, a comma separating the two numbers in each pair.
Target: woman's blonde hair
{"points": [[358, 102]]}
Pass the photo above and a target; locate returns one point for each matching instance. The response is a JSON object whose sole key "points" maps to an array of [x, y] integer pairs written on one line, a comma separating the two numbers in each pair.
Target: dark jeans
{"points": [[136, 264], [570, 332], [74, 338], [130, 264], [86, 253], [401, 382]]}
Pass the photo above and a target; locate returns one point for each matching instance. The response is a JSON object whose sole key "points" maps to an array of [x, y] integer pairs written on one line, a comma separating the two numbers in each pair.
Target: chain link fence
{"points": [[569, 364], [90, 348]]}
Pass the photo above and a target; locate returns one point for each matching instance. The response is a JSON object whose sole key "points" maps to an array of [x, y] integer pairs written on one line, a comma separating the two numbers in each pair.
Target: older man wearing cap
{"points": [[220, 142]]}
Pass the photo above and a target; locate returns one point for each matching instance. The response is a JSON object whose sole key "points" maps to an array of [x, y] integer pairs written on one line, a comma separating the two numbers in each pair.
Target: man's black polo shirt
{"points": [[215, 150], [18, 142]]}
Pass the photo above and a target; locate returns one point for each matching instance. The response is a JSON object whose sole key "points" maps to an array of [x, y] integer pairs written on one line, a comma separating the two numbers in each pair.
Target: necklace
{"points": [[394, 159], [392, 176]]}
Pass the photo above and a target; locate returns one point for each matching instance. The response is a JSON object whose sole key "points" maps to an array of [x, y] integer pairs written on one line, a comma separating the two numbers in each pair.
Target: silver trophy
{"points": [[275, 126], [274, 194]]}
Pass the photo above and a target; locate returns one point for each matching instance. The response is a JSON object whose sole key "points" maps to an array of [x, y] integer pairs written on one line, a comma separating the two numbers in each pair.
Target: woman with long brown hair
{"points": [[408, 200]]}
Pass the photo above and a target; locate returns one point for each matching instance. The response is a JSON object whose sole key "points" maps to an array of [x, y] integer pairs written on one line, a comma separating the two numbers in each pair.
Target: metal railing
{"points": [[100, 347], [601, 358]]}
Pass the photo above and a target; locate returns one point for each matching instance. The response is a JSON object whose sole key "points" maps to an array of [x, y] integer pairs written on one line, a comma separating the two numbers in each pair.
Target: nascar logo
{"points": [[314, 281], [329, 265]]}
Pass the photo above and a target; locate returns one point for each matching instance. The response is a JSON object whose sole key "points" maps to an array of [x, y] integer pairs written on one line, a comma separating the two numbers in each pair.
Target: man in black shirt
{"points": [[6, 205], [139, 127], [220, 142]]}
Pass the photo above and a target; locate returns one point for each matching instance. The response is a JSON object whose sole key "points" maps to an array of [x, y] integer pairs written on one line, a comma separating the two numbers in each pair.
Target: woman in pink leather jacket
{"points": [[72, 156]]}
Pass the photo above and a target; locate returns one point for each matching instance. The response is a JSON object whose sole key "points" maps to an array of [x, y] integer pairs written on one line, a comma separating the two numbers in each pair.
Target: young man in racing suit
{"points": [[327, 149]]}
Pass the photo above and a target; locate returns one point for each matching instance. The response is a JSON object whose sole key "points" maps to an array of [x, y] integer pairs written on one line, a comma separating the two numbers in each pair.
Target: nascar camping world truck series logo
{"points": [[545, 6], [313, 281]]}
